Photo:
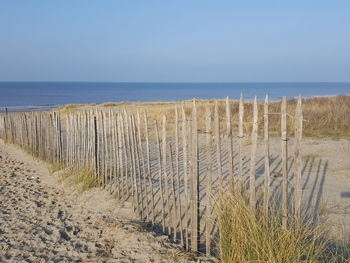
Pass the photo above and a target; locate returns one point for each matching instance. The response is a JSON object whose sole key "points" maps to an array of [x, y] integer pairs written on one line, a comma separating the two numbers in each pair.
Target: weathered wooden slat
{"points": [[284, 153], [218, 146], [266, 157], [185, 173], [138, 176], [240, 140], [175, 219], [208, 205], [149, 174], [298, 160], [195, 223], [229, 143], [252, 173], [165, 175], [160, 176], [143, 183], [178, 185]]}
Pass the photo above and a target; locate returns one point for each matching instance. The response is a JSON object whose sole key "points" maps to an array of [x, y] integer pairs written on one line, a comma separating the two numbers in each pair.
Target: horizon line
{"points": [[166, 82]]}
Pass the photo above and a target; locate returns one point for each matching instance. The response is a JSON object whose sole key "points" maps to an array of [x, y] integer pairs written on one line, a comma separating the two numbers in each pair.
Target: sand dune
{"points": [[42, 221]]}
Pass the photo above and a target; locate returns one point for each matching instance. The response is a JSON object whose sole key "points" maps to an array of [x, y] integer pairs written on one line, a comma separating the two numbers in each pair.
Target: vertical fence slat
{"points": [[266, 157], [141, 167], [298, 159], [126, 156], [252, 174], [149, 175], [141, 156], [138, 176], [284, 153], [208, 207], [218, 146], [173, 194], [131, 175], [240, 140], [160, 176], [229, 143], [185, 172], [96, 148], [165, 174], [122, 159], [195, 237], [178, 185]]}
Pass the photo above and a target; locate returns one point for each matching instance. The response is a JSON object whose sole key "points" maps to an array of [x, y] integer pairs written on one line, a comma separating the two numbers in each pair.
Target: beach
{"points": [[42, 220], [45, 215]]}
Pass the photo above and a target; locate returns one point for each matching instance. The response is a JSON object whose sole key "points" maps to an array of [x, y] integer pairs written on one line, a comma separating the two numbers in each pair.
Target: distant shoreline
{"points": [[26, 95], [43, 107]]}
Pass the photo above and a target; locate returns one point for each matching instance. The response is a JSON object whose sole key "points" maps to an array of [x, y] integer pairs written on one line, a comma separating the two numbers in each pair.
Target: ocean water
{"points": [[50, 94]]}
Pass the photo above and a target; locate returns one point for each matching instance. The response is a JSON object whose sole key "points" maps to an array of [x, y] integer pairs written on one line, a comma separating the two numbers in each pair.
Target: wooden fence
{"points": [[172, 171]]}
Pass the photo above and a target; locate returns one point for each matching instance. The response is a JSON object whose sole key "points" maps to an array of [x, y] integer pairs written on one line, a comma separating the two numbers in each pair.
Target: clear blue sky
{"points": [[180, 41]]}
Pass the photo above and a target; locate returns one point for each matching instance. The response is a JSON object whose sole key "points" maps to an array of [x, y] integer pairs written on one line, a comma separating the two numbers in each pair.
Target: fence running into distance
{"points": [[173, 172]]}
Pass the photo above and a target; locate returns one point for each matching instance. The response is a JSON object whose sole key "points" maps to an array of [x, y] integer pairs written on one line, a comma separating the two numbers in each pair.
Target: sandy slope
{"points": [[40, 221]]}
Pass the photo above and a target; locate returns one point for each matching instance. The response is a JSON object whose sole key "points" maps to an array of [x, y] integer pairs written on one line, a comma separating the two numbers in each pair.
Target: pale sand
{"points": [[42, 221]]}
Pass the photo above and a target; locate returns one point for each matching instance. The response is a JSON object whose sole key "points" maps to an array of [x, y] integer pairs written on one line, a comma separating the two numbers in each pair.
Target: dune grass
{"points": [[55, 167], [247, 236], [83, 178], [324, 116]]}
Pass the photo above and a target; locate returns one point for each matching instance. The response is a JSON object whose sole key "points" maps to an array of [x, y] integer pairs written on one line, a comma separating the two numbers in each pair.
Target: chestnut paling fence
{"points": [[173, 169]]}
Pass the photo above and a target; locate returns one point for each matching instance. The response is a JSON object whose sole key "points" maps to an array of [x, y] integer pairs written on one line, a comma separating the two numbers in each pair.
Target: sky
{"points": [[175, 41]]}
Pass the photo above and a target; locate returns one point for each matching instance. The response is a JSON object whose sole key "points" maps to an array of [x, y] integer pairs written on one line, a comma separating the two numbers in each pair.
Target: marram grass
{"points": [[247, 236], [83, 178]]}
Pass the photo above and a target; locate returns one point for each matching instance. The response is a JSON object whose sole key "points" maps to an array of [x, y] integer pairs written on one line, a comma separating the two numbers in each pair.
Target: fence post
{"points": [[229, 142], [175, 219], [122, 159], [151, 193], [254, 138], [298, 159], [284, 152], [267, 156], [240, 140], [195, 237], [160, 173], [178, 196], [141, 157], [138, 174], [208, 223], [126, 156], [131, 162], [96, 148], [165, 174], [184, 161], [218, 146]]}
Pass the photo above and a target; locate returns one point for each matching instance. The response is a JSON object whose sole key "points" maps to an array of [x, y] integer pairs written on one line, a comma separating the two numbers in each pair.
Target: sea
{"points": [[43, 95]]}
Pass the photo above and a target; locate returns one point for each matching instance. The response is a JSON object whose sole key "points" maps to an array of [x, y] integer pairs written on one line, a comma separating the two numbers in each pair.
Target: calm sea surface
{"points": [[19, 94]]}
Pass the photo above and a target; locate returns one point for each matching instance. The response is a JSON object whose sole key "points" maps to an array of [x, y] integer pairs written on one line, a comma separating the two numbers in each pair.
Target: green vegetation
{"points": [[83, 178], [247, 236], [55, 167], [324, 116]]}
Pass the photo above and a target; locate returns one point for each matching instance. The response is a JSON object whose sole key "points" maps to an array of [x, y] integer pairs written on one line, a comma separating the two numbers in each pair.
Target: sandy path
{"points": [[41, 221]]}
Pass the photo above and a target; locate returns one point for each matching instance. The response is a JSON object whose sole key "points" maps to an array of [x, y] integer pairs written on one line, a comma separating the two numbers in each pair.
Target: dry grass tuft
{"points": [[109, 104], [68, 107], [181, 256], [55, 167], [324, 116], [83, 178], [246, 236]]}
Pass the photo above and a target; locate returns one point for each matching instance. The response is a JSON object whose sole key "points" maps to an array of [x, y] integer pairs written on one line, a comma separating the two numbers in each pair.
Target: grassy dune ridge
{"points": [[324, 116]]}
